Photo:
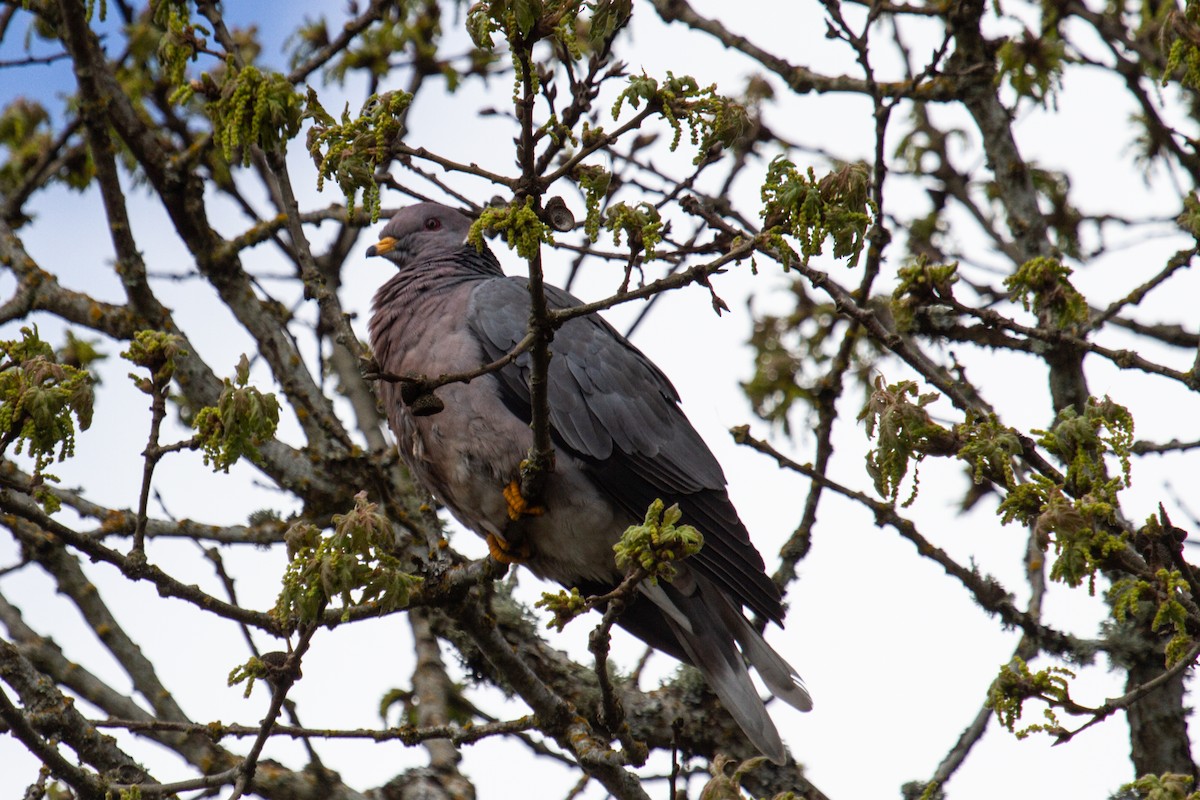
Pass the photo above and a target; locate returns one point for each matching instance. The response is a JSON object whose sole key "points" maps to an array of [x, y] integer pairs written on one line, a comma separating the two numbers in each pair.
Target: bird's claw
{"points": [[517, 505], [508, 552]]}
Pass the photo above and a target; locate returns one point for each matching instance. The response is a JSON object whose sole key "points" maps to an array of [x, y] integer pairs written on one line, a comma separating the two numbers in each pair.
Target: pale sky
{"points": [[897, 656]]}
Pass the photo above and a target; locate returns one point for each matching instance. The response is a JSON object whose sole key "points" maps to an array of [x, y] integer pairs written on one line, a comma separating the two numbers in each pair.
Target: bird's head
{"points": [[420, 232]]}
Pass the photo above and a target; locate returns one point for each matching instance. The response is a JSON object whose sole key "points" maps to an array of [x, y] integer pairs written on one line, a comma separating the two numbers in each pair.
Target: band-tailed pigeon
{"points": [[621, 441]]}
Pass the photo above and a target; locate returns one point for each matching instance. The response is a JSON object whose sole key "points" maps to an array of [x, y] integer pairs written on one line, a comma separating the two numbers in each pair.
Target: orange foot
{"points": [[517, 506], [506, 552]]}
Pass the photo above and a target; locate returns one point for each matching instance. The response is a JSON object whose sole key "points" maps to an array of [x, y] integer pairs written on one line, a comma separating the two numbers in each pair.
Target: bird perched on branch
{"points": [[620, 440]]}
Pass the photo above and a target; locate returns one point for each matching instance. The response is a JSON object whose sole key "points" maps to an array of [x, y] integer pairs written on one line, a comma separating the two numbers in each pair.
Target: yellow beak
{"points": [[384, 245]]}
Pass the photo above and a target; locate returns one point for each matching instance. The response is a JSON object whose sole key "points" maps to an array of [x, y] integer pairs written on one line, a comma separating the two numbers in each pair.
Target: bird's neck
{"points": [[419, 276], [420, 286]]}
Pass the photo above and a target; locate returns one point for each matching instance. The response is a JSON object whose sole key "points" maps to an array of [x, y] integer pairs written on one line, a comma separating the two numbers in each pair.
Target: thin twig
{"points": [[1109, 707]]}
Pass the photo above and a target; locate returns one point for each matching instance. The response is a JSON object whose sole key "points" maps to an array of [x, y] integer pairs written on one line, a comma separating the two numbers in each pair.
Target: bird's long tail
{"points": [[709, 629]]}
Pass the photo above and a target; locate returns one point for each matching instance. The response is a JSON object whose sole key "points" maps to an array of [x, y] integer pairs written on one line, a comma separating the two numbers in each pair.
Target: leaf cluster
{"points": [[41, 402], [1132, 597], [1032, 64], [158, 353], [26, 135], [595, 181], [1042, 285], [989, 448], [641, 224], [355, 564], [242, 420], [255, 669], [1168, 786], [563, 605], [350, 151], [522, 22], [793, 352], [1016, 683], [520, 225], [1082, 533], [923, 289], [837, 207], [180, 41], [711, 118], [1082, 441], [657, 542], [411, 28], [251, 108], [906, 434], [1079, 515], [1183, 55]]}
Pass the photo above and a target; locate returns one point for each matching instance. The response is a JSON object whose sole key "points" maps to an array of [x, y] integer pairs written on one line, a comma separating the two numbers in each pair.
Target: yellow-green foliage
{"points": [[1133, 597], [1168, 786], [157, 352], [1183, 56], [523, 23], [242, 420], [1032, 64], [354, 563], [410, 28], [922, 285], [794, 351], [522, 228], [1082, 441], [657, 542], [253, 670], [711, 118], [1189, 220], [81, 353], [837, 207], [608, 17], [594, 181], [1171, 587], [565, 606], [989, 448], [26, 136], [349, 152], [642, 224], [905, 433], [1083, 530], [1042, 286], [181, 41], [1025, 501], [254, 108], [41, 401], [1015, 684], [1079, 516]]}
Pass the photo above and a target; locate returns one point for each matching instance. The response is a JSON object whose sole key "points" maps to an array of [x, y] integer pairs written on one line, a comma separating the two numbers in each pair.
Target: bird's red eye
{"points": [[433, 224]]}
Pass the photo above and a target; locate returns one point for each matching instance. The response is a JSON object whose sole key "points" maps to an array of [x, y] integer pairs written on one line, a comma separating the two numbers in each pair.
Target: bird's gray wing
{"points": [[617, 412]]}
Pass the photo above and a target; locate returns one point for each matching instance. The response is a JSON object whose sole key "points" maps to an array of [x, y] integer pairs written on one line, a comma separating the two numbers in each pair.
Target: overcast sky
{"points": [[869, 621]]}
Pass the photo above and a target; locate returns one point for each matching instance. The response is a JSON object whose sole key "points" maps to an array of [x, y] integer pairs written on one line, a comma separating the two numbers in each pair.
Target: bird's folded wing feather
{"points": [[612, 408]]}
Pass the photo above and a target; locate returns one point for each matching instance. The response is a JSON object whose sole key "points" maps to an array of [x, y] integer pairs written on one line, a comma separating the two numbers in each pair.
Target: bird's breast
{"points": [[470, 450]]}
